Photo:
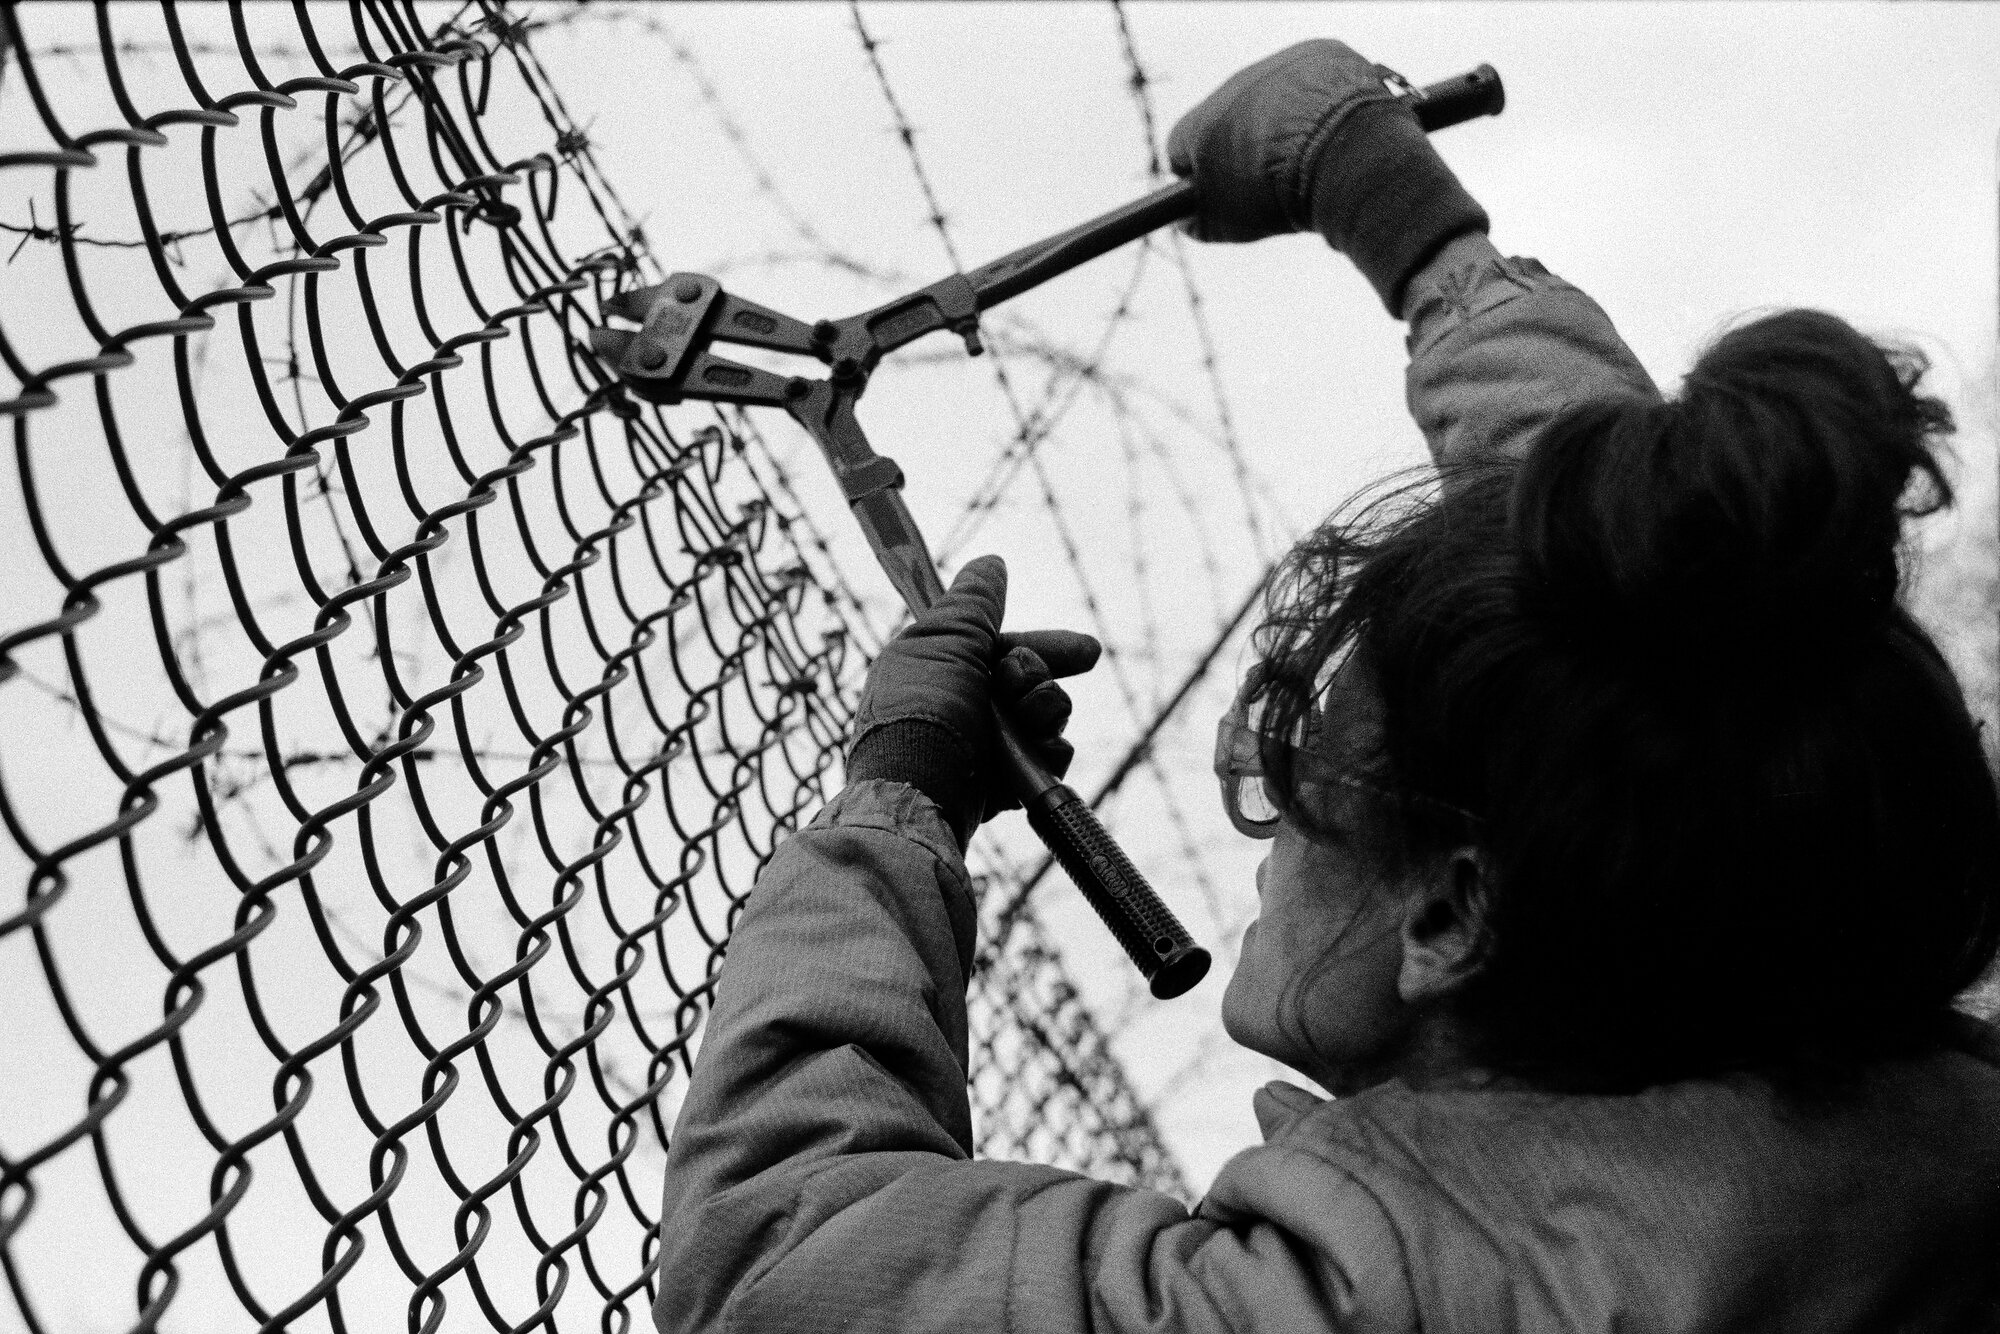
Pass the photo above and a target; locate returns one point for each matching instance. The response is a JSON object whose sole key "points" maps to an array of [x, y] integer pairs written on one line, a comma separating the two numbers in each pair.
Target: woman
{"points": [[1630, 845]]}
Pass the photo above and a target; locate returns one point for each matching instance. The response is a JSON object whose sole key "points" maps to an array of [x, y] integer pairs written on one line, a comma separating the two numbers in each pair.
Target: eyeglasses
{"points": [[1246, 796], [1239, 766]]}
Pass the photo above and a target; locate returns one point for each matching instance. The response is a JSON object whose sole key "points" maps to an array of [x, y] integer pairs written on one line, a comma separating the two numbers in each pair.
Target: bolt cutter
{"points": [[668, 361]]}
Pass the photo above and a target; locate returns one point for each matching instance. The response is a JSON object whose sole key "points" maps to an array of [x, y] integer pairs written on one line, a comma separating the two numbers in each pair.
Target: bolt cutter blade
{"points": [[738, 320], [634, 304], [610, 345]]}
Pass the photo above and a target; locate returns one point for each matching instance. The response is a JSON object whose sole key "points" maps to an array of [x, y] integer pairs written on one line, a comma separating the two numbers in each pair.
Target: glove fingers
{"points": [[978, 594], [1065, 652], [1018, 672], [1253, 144], [1021, 683], [1044, 711], [1055, 755]]}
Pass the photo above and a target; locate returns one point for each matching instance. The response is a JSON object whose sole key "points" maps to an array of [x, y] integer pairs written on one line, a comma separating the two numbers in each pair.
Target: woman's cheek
{"points": [[1351, 1007], [1238, 1000], [1251, 1000]]}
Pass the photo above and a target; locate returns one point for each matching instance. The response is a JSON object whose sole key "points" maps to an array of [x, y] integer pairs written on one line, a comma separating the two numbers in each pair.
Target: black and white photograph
{"points": [[1034, 666]]}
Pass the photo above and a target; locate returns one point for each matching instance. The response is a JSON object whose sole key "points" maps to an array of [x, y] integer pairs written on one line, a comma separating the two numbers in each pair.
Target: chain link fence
{"points": [[395, 717]]}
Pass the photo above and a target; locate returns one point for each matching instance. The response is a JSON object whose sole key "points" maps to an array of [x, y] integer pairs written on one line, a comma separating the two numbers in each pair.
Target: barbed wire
{"points": [[1140, 83], [1070, 372], [1075, 376], [432, 730], [1069, 375], [1026, 432]]}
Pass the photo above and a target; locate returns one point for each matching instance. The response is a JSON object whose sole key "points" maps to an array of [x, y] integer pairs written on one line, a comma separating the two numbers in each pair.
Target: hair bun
{"points": [[1761, 508]]}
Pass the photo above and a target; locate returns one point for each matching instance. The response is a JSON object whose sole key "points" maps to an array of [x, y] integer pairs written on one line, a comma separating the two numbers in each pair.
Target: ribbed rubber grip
{"points": [[1477, 92], [1158, 945]]}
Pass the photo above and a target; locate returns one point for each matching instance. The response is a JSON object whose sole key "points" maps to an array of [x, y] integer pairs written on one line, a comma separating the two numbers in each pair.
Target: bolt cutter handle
{"points": [[1152, 937], [668, 360], [1463, 97]]}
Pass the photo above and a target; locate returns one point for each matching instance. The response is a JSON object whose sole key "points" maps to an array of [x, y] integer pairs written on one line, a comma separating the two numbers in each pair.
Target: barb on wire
{"points": [[907, 132], [1140, 83], [1024, 418]]}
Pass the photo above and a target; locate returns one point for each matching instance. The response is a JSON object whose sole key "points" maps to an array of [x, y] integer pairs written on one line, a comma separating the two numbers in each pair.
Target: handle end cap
{"points": [[1179, 972]]}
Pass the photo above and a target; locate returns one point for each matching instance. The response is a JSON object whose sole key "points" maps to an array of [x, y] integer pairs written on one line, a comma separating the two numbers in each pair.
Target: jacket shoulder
{"points": [[1334, 1205]]}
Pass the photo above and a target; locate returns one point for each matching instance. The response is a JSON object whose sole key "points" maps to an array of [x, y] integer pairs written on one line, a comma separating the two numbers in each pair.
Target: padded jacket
{"points": [[820, 1176]]}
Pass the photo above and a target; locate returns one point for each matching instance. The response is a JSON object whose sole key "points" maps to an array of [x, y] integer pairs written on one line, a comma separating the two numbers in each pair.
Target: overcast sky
{"points": [[1683, 163]]}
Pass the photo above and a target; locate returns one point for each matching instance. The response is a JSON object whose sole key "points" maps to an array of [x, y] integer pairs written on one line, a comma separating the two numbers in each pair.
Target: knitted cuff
{"points": [[930, 758], [1382, 196]]}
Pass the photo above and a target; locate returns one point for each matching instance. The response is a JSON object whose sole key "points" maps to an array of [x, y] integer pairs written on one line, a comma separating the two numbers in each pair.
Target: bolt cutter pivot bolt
{"points": [[653, 357], [825, 331], [797, 387], [687, 290], [846, 370]]}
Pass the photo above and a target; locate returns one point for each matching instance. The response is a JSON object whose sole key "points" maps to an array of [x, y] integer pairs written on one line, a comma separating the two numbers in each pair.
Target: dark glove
{"points": [[926, 719], [1310, 139]]}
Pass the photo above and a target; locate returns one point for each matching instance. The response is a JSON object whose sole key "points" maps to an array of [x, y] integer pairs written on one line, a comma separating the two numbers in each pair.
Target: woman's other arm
{"points": [[819, 1176], [1499, 346]]}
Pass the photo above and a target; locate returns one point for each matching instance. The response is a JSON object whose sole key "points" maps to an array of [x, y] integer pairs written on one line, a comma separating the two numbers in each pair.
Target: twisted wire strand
{"points": [[398, 715]]}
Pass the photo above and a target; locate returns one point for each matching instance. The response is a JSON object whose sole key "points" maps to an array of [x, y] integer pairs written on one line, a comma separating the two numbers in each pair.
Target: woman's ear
{"points": [[1444, 927]]}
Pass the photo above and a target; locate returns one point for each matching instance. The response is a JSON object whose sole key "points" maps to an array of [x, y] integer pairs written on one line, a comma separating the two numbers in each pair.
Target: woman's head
{"points": [[1357, 941], [1727, 804]]}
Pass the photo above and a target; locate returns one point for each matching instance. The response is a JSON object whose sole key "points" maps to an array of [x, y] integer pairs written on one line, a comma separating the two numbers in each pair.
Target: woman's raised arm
{"points": [[1310, 139], [1499, 346]]}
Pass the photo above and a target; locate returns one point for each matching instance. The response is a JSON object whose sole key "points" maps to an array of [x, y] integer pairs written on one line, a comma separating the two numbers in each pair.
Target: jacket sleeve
{"points": [[820, 1174], [1498, 347]]}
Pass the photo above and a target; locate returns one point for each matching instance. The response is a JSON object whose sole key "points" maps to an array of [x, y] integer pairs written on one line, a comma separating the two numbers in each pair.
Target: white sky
{"points": [[1683, 163]]}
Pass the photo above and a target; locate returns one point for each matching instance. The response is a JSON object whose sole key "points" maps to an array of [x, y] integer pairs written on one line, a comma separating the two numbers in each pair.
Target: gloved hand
{"points": [[925, 719], [1310, 139]]}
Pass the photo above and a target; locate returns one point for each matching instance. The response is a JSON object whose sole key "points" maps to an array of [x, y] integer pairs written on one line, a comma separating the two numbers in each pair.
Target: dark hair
{"points": [[1734, 807]]}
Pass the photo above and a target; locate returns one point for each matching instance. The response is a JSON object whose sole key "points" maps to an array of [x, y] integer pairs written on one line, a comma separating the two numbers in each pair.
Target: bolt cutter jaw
{"points": [[703, 376], [667, 360], [674, 318]]}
